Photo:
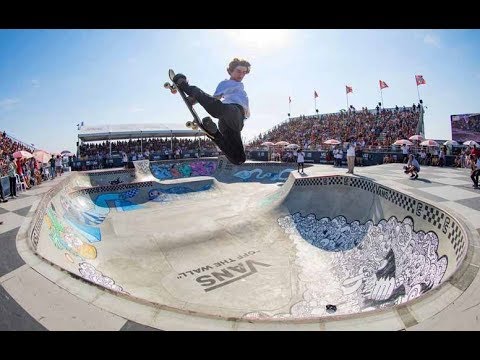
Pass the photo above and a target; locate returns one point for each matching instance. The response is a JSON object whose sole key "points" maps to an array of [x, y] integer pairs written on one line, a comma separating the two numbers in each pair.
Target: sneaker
{"points": [[209, 125], [4, 200], [416, 177], [180, 80]]}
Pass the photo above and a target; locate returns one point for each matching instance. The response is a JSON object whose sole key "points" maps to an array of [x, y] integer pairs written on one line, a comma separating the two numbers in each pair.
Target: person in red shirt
{"points": [[475, 151]]}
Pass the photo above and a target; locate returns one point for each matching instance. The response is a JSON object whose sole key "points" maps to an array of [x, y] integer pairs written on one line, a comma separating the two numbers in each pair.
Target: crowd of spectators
{"points": [[21, 171], [7, 147], [376, 128], [146, 149]]}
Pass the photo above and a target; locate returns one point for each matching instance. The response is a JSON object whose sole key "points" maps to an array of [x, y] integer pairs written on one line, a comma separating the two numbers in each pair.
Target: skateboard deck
{"points": [[196, 123]]}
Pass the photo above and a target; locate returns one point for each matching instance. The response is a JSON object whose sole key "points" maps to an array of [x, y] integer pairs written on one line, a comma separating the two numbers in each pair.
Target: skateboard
{"points": [[196, 123]]}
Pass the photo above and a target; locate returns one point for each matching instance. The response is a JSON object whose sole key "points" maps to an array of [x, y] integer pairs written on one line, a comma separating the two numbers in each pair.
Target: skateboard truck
{"points": [[192, 125], [171, 87]]}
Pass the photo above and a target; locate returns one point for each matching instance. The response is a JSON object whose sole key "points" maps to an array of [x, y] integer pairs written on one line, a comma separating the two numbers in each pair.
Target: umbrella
{"points": [[22, 154], [42, 156], [470, 143], [292, 146], [429, 143], [66, 153], [332, 142], [451, 142], [416, 138], [280, 143], [403, 141], [267, 143]]}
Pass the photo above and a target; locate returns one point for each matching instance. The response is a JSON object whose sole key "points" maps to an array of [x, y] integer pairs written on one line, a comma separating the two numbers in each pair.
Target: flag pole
{"points": [[315, 99], [381, 97], [418, 93], [347, 97], [289, 111]]}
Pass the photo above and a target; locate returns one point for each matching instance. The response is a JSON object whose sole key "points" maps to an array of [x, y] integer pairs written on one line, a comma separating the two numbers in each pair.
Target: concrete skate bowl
{"points": [[250, 244]]}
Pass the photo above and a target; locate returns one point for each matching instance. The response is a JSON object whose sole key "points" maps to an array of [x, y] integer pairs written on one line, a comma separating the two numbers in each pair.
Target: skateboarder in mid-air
{"points": [[230, 112]]}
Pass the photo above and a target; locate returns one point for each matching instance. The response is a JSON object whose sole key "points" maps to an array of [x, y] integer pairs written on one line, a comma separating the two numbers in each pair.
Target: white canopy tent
{"points": [[134, 131]]}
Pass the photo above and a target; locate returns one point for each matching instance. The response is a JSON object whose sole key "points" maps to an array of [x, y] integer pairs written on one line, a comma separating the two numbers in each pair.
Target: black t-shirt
{"points": [[52, 162]]}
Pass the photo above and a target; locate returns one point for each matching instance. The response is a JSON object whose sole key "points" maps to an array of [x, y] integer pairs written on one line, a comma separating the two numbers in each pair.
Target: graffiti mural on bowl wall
{"points": [[389, 265], [66, 238], [392, 265], [85, 215], [184, 169], [90, 273], [358, 267], [376, 265], [258, 174]]}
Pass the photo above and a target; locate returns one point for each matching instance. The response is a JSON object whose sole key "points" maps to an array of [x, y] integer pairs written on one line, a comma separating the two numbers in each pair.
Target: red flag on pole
{"points": [[289, 100], [383, 84], [420, 80], [315, 95], [348, 89]]}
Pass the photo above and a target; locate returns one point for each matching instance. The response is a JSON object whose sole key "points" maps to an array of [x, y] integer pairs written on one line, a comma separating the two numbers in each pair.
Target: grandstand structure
{"points": [[290, 130], [26, 146], [132, 131]]}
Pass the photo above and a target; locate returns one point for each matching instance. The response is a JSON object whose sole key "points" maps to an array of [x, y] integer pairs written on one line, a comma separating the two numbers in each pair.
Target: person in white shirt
{"points": [[423, 156], [300, 160], [124, 159], [58, 165], [231, 112], [413, 167], [351, 156], [404, 153], [338, 155]]}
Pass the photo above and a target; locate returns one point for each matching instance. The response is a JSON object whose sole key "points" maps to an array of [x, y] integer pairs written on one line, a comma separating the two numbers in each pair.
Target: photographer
{"points": [[413, 167]]}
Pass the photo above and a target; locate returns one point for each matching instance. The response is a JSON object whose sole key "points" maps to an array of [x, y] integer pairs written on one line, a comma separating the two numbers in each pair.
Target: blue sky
{"points": [[51, 80]]}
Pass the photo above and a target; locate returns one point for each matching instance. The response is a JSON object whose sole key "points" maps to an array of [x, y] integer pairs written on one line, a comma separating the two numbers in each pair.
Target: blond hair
{"points": [[238, 62]]}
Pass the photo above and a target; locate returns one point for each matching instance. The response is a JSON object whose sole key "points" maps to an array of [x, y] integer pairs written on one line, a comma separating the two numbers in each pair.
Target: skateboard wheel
{"points": [[166, 85], [174, 91], [189, 124]]}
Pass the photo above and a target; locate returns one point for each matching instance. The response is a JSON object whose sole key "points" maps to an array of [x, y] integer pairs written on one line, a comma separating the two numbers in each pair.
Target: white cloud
{"points": [[8, 103], [35, 83], [432, 40]]}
